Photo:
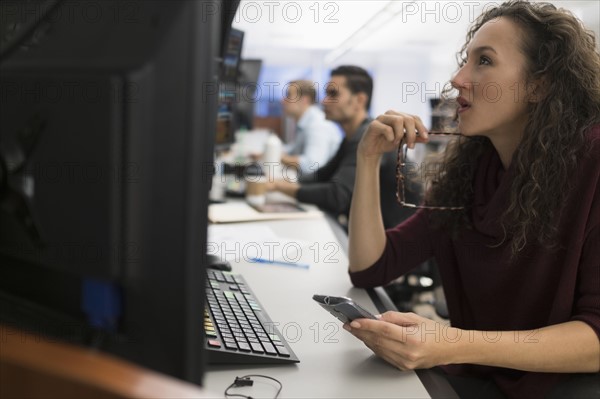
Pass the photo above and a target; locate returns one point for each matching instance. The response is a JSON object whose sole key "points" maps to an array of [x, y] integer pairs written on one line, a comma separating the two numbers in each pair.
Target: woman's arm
{"points": [[409, 341], [366, 232], [570, 347], [365, 229]]}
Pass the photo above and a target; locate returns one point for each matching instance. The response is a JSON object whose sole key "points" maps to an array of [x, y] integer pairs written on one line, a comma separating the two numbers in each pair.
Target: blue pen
{"points": [[280, 263]]}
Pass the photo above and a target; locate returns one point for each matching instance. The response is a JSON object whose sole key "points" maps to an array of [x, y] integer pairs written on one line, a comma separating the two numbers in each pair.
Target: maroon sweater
{"points": [[485, 291]]}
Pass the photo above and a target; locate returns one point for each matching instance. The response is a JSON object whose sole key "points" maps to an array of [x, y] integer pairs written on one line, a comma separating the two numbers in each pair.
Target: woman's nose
{"points": [[460, 79]]}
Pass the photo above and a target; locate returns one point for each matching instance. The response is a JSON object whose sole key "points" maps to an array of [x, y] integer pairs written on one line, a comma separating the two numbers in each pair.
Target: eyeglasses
{"points": [[401, 164]]}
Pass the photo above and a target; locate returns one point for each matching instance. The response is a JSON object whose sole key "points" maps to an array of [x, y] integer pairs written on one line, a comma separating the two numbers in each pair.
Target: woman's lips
{"points": [[463, 105]]}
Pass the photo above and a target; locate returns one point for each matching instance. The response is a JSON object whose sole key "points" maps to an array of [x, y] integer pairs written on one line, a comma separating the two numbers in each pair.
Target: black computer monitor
{"points": [[237, 100], [249, 72], [106, 149], [230, 46], [226, 127], [232, 55], [248, 92], [228, 11]]}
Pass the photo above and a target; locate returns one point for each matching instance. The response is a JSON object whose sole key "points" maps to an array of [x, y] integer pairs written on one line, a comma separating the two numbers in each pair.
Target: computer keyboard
{"points": [[238, 329]]}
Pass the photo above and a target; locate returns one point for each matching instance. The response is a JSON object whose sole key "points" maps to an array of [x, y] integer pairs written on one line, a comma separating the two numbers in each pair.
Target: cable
{"points": [[246, 381], [6, 49]]}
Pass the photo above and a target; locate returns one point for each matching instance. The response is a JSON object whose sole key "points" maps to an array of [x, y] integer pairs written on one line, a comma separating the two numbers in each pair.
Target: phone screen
{"points": [[344, 309]]}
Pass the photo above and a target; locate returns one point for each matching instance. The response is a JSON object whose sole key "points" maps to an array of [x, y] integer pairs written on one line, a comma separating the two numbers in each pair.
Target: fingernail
{"points": [[378, 316], [346, 327], [355, 324]]}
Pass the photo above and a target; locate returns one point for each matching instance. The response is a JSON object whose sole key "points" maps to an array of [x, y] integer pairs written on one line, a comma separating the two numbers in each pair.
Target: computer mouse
{"points": [[214, 262]]}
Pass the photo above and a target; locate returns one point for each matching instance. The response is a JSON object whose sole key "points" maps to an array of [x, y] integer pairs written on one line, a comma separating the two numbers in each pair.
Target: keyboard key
{"points": [[244, 347], [230, 345], [225, 330], [256, 347], [238, 279], [270, 349], [249, 312], [240, 297], [274, 337], [239, 338], [261, 318], [214, 343], [283, 351]]}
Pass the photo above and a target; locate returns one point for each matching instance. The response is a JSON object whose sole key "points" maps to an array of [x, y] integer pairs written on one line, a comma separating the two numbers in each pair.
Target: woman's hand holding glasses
{"points": [[387, 132], [398, 131]]}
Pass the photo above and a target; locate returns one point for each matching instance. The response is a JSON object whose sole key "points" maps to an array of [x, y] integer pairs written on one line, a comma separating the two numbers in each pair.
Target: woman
{"points": [[520, 262]]}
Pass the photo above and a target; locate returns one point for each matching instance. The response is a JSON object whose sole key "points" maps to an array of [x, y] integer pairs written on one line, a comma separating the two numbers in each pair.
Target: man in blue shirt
{"points": [[347, 102], [317, 139]]}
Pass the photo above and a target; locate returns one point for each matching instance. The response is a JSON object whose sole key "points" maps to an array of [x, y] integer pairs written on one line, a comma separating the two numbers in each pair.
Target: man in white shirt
{"points": [[317, 139]]}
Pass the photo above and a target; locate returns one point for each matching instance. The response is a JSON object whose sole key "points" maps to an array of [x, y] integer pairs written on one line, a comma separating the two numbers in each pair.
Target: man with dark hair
{"points": [[317, 139], [347, 101]]}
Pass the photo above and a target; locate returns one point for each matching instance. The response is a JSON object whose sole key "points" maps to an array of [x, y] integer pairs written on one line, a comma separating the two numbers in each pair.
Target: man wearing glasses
{"points": [[347, 101]]}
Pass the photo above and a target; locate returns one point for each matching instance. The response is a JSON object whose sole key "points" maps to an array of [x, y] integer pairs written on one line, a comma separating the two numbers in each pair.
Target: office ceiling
{"points": [[278, 30]]}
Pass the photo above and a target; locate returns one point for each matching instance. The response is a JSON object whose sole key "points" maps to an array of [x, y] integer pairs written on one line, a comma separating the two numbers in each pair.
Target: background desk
{"points": [[333, 364]]}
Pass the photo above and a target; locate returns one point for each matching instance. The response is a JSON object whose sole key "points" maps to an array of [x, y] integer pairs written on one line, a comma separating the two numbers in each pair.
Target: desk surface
{"points": [[333, 364]]}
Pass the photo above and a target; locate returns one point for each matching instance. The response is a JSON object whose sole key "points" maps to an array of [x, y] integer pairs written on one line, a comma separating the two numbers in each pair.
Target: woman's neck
{"points": [[507, 141], [506, 149]]}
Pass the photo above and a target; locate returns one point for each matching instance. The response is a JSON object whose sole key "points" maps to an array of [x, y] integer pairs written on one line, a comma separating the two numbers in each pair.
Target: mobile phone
{"points": [[344, 309]]}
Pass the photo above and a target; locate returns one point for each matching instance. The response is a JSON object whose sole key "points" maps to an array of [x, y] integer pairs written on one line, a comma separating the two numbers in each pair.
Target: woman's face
{"points": [[492, 99]]}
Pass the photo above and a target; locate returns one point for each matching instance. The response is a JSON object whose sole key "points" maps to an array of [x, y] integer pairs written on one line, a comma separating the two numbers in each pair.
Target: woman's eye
{"points": [[483, 60]]}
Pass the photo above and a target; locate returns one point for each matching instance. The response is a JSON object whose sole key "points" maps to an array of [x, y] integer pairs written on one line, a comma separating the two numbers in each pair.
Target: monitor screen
{"points": [[106, 149], [248, 93], [249, 72], [236, 103], [231, 56], [225, 130]]}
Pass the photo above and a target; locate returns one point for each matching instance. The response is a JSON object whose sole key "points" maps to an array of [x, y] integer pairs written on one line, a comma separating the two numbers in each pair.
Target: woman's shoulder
{"points": [[592, 138], [593, 135]]}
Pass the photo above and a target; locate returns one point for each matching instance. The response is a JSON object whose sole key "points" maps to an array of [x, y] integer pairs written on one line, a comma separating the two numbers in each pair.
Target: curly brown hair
{"points": [[561, 52]]}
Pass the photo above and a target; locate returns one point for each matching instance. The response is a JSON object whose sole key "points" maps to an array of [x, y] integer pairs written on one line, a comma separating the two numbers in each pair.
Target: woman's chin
{"points": [[467, 130]]}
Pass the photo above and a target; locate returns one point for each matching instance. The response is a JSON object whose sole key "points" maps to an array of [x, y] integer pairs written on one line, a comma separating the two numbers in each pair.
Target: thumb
{"points": [[401, 319]]}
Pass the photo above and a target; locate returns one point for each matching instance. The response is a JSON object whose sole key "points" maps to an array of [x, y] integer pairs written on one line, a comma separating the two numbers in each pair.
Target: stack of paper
{"points": [[242, 212]]}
